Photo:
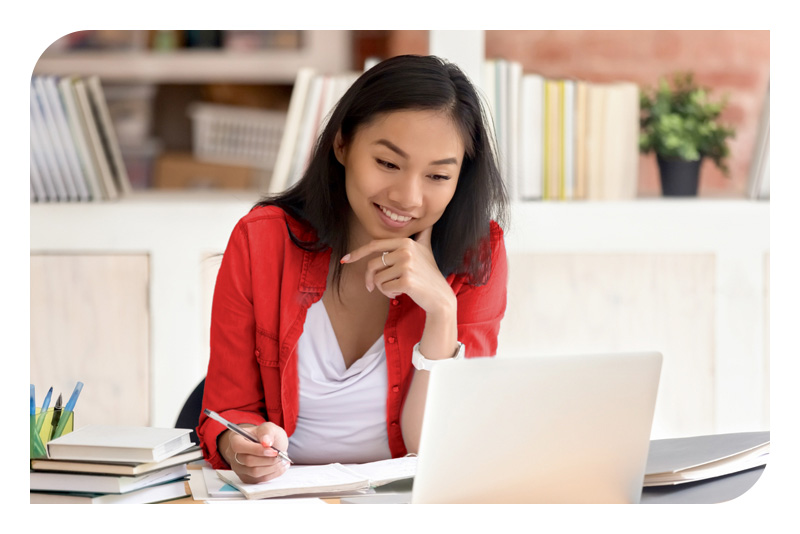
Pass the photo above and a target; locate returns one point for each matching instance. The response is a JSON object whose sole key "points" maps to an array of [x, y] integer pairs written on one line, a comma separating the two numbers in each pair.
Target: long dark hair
{"points": [[460, 239]]}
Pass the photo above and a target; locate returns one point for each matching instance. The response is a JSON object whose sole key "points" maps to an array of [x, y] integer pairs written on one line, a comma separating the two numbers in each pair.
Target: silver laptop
{"points": [[555, 429]]}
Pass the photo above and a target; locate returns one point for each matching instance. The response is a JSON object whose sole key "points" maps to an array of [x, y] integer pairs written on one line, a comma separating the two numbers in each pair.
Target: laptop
{"points": [[538, 429]]}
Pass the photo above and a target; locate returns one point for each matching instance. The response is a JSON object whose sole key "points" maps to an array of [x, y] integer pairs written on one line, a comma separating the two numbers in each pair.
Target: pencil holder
{"points": [[43, 429]]}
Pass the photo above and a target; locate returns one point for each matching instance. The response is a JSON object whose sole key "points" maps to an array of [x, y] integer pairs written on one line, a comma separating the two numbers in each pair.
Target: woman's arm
{"points": [[233, 386], [471, 317]]}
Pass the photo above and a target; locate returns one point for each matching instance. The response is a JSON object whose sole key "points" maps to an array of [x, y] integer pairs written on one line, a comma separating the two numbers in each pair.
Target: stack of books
{"points": [[104, 464], [75, 153]]}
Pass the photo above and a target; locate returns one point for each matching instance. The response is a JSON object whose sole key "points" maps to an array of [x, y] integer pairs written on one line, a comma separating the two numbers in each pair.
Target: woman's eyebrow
{"points": [[394, 148]]}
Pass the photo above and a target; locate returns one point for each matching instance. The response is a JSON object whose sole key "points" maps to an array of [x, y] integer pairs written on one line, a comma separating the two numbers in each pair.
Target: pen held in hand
{"points": [[242, 432]]}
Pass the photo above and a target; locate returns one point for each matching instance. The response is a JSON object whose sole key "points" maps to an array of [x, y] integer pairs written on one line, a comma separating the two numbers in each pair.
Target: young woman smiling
{"points": [[335, 298]]}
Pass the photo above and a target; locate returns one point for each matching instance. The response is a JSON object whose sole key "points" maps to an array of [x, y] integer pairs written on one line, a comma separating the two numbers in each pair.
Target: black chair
{"points": [[190, 413]]}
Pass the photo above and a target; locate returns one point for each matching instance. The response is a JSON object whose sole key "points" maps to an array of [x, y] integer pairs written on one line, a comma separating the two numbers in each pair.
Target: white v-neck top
{"points": [[342, 412]]}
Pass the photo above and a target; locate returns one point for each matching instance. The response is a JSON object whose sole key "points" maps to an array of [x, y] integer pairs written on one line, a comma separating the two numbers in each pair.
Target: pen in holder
{"points": [[44, 429]]}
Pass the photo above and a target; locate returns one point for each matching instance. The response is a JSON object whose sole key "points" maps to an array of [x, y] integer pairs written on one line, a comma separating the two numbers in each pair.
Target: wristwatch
{"points": [[422, 363]]}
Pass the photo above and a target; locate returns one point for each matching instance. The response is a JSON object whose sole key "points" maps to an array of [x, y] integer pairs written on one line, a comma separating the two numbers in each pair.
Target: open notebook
{"points": [[325, 479]]}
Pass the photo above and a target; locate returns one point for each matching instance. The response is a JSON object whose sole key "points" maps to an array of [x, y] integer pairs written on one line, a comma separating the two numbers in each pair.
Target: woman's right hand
{"points": [[256, 462]]}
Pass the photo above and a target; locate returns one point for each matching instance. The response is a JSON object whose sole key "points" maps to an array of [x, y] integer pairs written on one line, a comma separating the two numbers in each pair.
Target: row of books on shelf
{"points": [[105, 464], [75, 154], [557, 139], [563, 139]]}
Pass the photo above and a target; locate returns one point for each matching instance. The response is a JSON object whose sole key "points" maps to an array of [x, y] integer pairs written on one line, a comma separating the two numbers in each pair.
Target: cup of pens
{"points": [[50, 423]]}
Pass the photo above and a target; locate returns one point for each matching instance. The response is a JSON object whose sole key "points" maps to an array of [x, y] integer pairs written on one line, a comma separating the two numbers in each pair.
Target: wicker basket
{"points": [[236, 135]]}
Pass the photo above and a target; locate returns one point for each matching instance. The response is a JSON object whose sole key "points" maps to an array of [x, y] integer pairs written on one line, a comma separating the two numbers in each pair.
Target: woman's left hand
{"points": [[405, 265]]}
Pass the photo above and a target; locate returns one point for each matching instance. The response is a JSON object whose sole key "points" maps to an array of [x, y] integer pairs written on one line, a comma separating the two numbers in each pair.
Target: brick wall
{"points": [[735, 63]]}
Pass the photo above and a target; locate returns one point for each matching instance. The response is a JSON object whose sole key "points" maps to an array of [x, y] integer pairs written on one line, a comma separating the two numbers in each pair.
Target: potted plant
{"points": [[680, 124]]}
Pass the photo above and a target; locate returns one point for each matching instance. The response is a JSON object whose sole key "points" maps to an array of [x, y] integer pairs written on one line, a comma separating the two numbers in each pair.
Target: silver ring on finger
{"points": [[383, 258], [236, 457]]}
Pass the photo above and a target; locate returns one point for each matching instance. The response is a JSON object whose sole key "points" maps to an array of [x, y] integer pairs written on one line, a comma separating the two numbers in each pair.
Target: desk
{"points": [[712, 491]]}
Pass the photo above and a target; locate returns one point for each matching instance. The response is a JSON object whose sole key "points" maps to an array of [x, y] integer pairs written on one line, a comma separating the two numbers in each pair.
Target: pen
{"points": [[33, 400], [70, 407], [56, 417], [43, 413], [242, 432]]}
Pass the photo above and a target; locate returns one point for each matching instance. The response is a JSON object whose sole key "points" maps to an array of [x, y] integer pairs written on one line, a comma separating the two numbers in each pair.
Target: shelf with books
{"points": [[325, 49]]}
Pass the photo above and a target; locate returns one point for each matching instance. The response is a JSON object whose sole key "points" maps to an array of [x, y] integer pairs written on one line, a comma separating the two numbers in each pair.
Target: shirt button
{"points": [[395, 302], [258, 353], [394, 423], [395, 388], [391, 339]]}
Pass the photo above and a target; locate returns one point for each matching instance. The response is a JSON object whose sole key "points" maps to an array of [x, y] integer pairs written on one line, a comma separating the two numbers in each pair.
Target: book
{"points": [[308, 128], [595, 141], [95, 141], [680, 460], [621, 142], [301, 480], [127, 468], [291, 131], [108, 135], [568, 140], [59, 115], [553, 139], [531, 139], [326, 479], [758, 174], [581, 123], [95, 483], [54, 139], [80, 136], [150, 494], [109, 443], [514, 126], [383, 472], [39, 193], [42, 148]]}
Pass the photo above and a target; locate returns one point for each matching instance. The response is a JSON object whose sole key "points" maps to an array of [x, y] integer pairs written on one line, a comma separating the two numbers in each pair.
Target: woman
{"points": [[336, 297]]}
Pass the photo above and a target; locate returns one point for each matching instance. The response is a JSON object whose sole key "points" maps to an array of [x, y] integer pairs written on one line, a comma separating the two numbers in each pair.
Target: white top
{"points": [[342, 412]]}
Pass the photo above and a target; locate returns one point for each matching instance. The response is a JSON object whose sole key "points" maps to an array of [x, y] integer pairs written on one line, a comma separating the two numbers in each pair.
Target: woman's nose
{"points": [[407, 193]]}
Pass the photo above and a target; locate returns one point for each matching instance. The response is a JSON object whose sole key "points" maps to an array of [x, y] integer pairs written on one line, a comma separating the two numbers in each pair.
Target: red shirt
{"points": [[264, 287]]}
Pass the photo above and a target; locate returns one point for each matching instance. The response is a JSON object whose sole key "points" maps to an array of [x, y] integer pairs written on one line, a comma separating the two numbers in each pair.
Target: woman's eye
{"points": [[438, 177], [386, 164]]}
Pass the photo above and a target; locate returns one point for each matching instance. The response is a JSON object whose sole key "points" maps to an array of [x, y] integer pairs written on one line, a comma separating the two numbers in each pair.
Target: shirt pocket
{"points": [[267, 353]]}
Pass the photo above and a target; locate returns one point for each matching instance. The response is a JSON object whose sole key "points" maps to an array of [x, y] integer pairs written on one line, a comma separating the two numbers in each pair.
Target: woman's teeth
{"points": [[394, 216]]}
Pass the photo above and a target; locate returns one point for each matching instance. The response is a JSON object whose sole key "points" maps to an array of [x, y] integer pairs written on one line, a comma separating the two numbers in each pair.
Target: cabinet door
{"points": [[90, 322], [595, 303]]}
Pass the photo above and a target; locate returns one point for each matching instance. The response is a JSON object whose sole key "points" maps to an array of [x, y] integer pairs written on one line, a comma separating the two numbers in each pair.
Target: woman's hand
{"points": [[408, 266], [256, 462]]}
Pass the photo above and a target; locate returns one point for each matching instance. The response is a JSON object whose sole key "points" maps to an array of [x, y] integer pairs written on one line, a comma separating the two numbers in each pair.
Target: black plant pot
{"points": [[679, 178]]}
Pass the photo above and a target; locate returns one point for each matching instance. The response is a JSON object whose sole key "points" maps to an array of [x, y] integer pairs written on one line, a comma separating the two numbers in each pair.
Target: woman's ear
{"points": [[339, 148]]}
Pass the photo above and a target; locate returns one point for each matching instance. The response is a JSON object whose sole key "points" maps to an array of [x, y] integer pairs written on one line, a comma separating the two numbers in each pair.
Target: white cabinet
{"points": [[686, 277]]}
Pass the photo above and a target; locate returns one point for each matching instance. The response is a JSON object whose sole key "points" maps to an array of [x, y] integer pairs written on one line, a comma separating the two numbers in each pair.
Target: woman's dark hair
{"points": [[460, 239]]}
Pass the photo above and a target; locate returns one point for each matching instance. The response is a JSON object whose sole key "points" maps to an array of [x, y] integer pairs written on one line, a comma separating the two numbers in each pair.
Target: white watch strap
{"points": [[422, 363]]}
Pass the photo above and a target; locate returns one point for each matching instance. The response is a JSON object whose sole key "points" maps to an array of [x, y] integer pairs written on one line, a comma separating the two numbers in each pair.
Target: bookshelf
{"points": [[328, 50], [603, 254]]}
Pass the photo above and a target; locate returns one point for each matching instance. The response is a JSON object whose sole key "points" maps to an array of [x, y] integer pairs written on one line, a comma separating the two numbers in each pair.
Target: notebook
{"points": [[539, 429]]}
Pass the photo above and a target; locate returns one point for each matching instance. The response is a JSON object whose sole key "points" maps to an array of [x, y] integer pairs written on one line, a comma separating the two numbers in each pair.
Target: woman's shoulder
{"points": [[272, 219]]}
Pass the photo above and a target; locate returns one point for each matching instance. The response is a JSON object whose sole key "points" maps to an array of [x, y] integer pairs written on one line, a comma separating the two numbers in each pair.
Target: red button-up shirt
{"points": [[264, 287]]}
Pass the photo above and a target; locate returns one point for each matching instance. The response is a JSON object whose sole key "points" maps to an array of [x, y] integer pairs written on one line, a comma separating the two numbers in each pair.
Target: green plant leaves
{"points": [[680, 121]]}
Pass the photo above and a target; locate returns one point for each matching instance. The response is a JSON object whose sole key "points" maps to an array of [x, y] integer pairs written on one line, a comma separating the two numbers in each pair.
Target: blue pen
{"points": [[43, 413], [68, 408], [33, 400]]}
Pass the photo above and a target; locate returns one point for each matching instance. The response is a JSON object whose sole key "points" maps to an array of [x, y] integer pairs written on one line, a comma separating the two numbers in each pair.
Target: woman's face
{"points": [[401, 171]]}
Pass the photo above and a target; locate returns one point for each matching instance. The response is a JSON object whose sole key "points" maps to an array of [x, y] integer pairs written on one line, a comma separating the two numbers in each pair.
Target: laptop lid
{"points": [[539, 429]]}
